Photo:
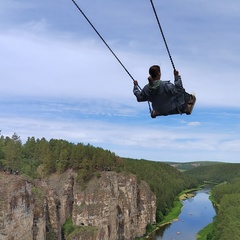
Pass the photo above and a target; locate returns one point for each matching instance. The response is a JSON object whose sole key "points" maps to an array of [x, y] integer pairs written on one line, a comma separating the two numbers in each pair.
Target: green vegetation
{"points": [[176, 210], [226, 223], [37, 193], [184, 166], [173, 213], [38, 158], [225, 195], [68, 228], [150, 228], [170, 217], [164, 180], [205, 233], [216, 173], [70, 231]]}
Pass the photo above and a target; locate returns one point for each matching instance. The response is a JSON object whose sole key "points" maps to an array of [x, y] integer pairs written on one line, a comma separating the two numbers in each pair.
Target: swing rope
{"points": [[102, 39], [165, 42], [150, 109]]}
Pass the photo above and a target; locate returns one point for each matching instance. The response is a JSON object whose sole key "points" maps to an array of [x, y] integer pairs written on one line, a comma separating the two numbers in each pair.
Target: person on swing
{"points": [[166, 98]]}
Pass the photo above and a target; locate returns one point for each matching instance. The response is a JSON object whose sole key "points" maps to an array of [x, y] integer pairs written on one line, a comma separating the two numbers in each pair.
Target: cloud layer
{"points": [[60, 81]]}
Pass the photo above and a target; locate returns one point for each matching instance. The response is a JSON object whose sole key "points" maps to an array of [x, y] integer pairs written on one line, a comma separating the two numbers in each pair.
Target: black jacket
{"points": [[164, 96]]}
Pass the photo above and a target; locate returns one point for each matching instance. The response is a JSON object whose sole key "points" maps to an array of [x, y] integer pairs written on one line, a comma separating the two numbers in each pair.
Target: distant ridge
{"points": [[184, 166]]}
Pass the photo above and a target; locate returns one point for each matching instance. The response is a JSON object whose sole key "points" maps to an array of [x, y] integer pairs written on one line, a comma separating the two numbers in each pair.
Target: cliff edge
{"points": [[111, 206]]}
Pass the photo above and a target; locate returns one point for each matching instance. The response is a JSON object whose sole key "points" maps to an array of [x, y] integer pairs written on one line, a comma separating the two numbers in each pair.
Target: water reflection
{"points": [[197, 212]]}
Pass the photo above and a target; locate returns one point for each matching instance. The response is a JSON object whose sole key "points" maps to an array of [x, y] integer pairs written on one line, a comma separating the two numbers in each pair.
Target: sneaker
{"points": [[190, 104], [154, 113], [192, 99]]}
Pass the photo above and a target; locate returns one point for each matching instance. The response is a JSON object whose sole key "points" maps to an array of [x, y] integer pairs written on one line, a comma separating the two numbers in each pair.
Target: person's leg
{"points": [[185, 99]]}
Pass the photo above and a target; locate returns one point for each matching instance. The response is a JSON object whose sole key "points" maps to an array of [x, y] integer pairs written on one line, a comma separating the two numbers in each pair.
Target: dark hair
{"points": [[154, 70]]}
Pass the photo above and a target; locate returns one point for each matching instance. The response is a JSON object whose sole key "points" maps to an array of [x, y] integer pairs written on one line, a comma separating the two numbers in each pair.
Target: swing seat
{"points": [[187, 110]]}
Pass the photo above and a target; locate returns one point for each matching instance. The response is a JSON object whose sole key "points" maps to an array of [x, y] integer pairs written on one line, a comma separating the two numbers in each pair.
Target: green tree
{"points": [[41, 149], [12, 153], [64, 157]]}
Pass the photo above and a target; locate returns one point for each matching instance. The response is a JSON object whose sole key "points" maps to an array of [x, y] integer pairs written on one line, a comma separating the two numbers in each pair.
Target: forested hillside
{"points": [[184, 166], [226, 223], [166, 181], [216, 173], [40, 158], [227, 196]]}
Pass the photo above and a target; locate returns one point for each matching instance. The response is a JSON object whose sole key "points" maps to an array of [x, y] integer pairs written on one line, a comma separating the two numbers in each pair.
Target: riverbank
{"points": [[173, 214], [202, 234]]}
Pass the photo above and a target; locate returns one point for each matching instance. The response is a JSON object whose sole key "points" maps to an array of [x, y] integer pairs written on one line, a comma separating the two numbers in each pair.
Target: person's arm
{"points": [[140, 95], [177, 87], [177, 79]]}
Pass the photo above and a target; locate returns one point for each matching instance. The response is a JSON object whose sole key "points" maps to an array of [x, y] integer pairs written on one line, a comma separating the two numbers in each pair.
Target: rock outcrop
{"points": [[111, 206], [18, 209]]}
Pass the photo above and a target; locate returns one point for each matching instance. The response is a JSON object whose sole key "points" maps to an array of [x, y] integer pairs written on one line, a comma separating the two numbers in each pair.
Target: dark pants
{"points": [[181, 109]]}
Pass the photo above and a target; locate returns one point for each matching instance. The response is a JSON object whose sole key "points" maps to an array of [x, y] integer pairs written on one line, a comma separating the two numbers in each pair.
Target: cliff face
{"points": [[113, 206], [18, 209], [119, 206]]}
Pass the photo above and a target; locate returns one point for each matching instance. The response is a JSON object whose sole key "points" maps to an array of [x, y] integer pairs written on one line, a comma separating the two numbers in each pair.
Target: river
{"points": [[196, 213]]}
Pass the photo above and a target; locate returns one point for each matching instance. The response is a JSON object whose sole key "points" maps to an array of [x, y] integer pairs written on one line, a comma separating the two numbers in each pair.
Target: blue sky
{"points": [[58, 80]]}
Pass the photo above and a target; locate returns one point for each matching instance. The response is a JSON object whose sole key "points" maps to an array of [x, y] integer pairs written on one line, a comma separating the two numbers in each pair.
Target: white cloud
{"points": [[126, 135], [75, 89], [60, 66], [194, 123]]}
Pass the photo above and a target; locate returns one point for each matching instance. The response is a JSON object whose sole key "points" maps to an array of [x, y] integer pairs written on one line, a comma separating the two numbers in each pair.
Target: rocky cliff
{"points": [[111, 206]]}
